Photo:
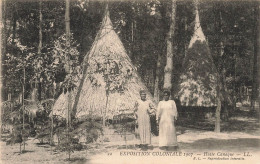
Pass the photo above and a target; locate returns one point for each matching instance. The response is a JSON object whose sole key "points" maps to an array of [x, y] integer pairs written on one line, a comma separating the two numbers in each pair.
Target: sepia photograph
{"points": [[130, 81]]}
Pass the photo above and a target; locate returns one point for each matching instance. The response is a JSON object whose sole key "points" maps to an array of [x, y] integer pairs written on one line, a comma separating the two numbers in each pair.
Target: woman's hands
{"points": [[151, 112], [157, 120]]}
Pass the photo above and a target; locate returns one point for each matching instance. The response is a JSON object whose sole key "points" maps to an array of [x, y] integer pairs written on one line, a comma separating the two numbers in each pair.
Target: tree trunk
{"points": [[220, 77], [185, 35], [38, 83], [258, 56], [14, 23], [256, 63], [51, 138], [23, 107], [226, 97], [67, 27], [20, 147], [76, 101], [3, 30], [157, 78], [255, 83], [169, 59], [133, 29], [67, 21], [40, 27], [217, 116], [2, 48]]}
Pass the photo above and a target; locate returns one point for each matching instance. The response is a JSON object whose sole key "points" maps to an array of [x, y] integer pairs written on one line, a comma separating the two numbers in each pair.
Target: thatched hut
{"points": [[198, 81], [109, 83]]}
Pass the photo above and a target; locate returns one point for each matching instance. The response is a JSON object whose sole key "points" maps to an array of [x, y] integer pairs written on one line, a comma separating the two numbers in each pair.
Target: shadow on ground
{"points": [[241, 144], [241, 121], [240, 126], [77, 160], [24, 151]]}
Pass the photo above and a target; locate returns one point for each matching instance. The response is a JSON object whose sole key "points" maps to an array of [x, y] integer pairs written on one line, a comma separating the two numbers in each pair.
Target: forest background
{"points": [[34, 42]]}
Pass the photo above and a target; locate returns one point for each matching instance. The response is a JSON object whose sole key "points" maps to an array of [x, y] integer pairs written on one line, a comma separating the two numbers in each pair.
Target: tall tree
{"points": [[3, 30], [40, 47], [255, 93], [157, 24], [223, 94], [169, 59], [67, 28], [2, 38], [221, 52], [258, 54]]}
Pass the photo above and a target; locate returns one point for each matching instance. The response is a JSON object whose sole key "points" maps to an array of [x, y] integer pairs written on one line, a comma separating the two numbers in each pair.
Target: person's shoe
{"points": [[144, 148], [150, 147], [172, 148], [138, 145], [162, 148]]}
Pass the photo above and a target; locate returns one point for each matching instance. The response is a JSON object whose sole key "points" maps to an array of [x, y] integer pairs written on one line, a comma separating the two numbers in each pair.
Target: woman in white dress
{"points": [[143, 108], [166, 117]]}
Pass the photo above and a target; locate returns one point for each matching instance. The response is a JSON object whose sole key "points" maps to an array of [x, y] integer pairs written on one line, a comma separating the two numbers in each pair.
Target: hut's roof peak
{"points": [[198, 33]]}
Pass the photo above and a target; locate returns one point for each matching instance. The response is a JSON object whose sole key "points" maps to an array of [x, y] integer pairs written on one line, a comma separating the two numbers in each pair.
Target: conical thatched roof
{"points": [[197, 86], [109, 82], [198, 34]]}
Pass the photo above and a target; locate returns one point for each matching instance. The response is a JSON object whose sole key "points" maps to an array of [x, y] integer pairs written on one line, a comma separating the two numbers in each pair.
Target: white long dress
{"points": [[167, 133], [142, 110]]}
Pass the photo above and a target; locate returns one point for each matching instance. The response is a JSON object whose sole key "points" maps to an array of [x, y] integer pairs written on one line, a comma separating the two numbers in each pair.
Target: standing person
{"points": [[166, 117], [144, 108]]}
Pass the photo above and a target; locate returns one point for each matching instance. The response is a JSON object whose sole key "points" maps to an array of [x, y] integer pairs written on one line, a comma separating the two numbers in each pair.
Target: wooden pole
{"points": [[67, 26], [67, 23], [68, 120], [23, 107], [105, 111], [132, 31], [51, 141]]}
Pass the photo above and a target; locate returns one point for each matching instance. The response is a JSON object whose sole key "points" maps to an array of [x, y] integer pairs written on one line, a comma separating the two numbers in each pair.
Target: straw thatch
{"points": [[109, 83], [197, 86]]}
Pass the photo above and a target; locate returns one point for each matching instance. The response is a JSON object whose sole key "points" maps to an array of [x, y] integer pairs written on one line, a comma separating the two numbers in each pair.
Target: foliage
{"points": [[65, 58], [43, 126], [114, 74], [12, 119], [68, 142], [69, 138], [10, 112], [127, 124], [236, 35], [16, 62], [89, 127], [19, 134]]}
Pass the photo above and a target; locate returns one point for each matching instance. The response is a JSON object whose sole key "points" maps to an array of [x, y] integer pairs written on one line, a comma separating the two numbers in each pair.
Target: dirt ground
{"points": [[195, 145]]}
